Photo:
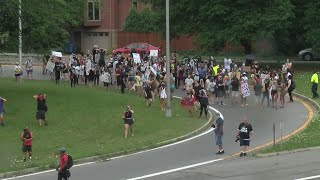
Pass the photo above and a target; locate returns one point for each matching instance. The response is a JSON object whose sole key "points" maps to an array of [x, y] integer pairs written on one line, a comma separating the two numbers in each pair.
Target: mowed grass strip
{"points": [[87, 121], [311, 135]]}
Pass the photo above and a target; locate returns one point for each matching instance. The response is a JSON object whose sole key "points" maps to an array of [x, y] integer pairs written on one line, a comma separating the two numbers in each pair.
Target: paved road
{"points": [[196, 150], [284, 167]]}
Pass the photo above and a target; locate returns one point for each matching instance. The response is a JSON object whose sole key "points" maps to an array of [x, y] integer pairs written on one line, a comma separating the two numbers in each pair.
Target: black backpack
{"points": [[70, 162]]}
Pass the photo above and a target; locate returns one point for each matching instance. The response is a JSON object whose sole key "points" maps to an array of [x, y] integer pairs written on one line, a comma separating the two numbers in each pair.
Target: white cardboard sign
{"points": [[50, 66], [136, 58], [153, 53]]}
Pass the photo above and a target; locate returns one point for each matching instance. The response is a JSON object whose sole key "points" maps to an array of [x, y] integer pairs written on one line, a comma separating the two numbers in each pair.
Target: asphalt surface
{"points": [[284, 167], [196, 150]]}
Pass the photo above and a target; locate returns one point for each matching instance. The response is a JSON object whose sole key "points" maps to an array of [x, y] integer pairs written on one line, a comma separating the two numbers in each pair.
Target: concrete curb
{"points": [[316, 148], [314, 103], [107, 157]]}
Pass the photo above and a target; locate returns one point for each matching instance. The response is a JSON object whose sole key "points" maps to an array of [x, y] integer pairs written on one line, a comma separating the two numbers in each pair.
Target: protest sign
{"points": [[153, 71], [50, 66], [245, 90], [136, 58], [56, 54], [153, 53]]}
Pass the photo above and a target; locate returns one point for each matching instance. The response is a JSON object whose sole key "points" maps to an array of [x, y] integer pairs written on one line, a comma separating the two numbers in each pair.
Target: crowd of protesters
{"points": [[204, 82]]}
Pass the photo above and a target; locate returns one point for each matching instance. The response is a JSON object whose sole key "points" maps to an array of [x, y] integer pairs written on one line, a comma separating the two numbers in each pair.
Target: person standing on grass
{"points": [[17, 72], [41, 108], [128, 121], [163, 96], [314, 82], [245, 134], [29, 68], [26, 138], [218, 131], [63, 169], [148, 94], [57, 71], [2, 100], [204, 102]]}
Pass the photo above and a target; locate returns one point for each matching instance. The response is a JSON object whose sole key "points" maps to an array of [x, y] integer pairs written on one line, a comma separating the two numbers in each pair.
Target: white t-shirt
{"points": [[163, 93], [188, 82], [227, 63]]}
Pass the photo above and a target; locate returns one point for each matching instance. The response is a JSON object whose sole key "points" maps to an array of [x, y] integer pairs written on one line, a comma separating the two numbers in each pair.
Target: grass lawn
{"points": [[311, 135], [86, 121]]}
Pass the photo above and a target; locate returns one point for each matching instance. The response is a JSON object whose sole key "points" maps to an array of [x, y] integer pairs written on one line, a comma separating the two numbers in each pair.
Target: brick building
{"points": [[103, 23]]}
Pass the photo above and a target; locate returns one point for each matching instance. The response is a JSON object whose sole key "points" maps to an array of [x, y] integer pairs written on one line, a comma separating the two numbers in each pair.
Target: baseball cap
{"points": [[62, 149]]}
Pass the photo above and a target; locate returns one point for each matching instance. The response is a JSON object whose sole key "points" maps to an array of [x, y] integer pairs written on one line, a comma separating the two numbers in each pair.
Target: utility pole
{"points": [[168, 59], [20, 35]]}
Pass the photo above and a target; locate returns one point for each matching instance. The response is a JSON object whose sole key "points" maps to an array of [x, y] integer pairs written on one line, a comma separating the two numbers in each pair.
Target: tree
{"points": [[46, 24], [217, 22], [144, 21], [311, 22]]}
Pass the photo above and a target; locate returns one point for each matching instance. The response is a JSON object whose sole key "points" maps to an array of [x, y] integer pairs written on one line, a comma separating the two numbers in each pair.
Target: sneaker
{"points": [[220, 152], [241, 154]]}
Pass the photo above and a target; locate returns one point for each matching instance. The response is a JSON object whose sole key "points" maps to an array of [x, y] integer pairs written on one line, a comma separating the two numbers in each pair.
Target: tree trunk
{"points": [[247, 44]]}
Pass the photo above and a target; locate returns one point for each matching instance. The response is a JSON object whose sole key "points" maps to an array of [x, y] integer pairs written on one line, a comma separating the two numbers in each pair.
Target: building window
{"points": [[94, 10], [106, 34], [135, 4]]}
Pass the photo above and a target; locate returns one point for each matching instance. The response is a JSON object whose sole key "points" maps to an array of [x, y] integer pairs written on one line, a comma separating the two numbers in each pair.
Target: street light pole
{"points": [[20, 35], [168, 58]]}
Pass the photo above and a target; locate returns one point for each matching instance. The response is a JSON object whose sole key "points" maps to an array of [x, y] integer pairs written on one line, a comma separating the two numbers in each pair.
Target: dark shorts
{"points": [[29, 71], [26, 149], [17, 75], [244, 142], [273, 92], [128, 121], [41, 114]]}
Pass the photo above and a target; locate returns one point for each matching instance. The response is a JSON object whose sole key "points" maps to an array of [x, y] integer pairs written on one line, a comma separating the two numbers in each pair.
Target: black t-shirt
{"points": [[220, 85], [245, 130], [41, 103], [128, 114], [197, 90], [235, 84]]}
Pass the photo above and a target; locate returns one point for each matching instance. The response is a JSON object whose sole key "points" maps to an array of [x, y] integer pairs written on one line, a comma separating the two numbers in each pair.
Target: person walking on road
{"points": [[314, 82], [204, 102], [26, 138], [128, 121], [64, 165], [218, 130], [245, 133], [42, 108], [291, 86], [2, 101]]}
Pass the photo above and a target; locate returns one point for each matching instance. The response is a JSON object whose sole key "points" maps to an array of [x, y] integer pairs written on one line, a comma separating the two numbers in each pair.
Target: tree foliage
{"points": [[217, 22], [144, 21], [46, 24], [311, 22]]}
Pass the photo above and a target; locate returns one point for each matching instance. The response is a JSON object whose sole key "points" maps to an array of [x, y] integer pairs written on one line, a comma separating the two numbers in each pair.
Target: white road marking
{"points": [[175, 170], [118, 157], [311, 177]]}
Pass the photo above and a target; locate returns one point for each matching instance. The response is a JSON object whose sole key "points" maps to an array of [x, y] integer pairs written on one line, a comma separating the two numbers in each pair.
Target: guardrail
{"points": [[11, 58]]}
